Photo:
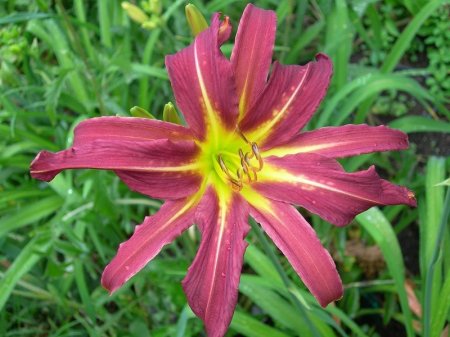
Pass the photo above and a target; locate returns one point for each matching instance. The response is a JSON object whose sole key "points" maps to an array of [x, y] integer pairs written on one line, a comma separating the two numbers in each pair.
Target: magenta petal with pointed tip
{"points": [[160, 168], [225, 29], [127, 129], [203, 82], [301, 246], [211, 284], [287, 103], [252, 54], [343, 141], [320, 185], [148, 239]]}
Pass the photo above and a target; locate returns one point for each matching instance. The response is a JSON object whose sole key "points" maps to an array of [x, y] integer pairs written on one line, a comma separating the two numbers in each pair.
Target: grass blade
{"points": [[404, 40], [30, 214], [376, 224], [27, 258], [410, 124], [431, 238], [250, 327]]}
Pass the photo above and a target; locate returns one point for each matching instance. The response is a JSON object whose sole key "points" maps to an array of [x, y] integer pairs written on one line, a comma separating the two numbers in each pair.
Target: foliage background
{"points": [[65, 61]]}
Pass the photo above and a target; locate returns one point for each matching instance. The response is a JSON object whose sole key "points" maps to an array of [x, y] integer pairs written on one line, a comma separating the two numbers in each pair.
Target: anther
{"points": [[236, 183], [255, 150], [246, 167]]}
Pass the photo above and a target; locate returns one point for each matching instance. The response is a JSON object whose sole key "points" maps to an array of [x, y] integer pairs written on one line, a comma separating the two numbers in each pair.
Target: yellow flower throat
{"points": [[232, 159]]}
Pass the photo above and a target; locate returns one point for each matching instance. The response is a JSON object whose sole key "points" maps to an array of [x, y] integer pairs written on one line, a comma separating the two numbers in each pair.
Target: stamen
{"points": [[246, 166]]}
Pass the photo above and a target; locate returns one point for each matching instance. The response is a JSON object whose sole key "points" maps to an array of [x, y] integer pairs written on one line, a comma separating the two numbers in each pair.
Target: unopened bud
{"points": [[154, 6], [137, 111], [195, 19], [134, 12], [170, 114]]}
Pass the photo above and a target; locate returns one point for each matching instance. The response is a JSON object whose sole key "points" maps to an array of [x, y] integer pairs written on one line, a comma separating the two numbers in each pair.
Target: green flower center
{"points": [[233, 161]]}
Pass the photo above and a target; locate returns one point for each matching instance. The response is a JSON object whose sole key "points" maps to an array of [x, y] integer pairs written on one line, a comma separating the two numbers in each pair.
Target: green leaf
{"points": [[23, 17], [262, 265], [435, 173], [339, 37], [273, 304], [374, 85], [303, 40], [441, 309], [20, 193], [27, 258], [341, 315], [446, 182], [411, 124], [376, 224], [186, 314], [146, 70], [261, 291], [404, 40], [434, 223], [52, 94], [30, 214], [248, 326], [401, 45]]}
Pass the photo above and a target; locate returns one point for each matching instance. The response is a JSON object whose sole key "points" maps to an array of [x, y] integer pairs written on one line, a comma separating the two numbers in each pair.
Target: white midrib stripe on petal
{"points": [[222, 224], [265, 129], [283, 176], [212, 118]]}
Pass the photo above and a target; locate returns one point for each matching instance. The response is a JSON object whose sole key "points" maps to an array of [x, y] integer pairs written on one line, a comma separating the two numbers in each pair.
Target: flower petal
{"points": [[343, 141], [292, 234], [252, 54], [287, 102], [127, 129], [202, 80], [211, 284], [159, 168], [320, 185], [148, 239]]}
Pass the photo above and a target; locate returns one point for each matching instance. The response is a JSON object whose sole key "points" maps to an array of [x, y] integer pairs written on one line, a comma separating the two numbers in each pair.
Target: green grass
{"points": [[62, 62]]}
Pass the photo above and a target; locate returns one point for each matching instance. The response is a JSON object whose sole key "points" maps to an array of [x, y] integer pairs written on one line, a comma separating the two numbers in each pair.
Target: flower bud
{"points": [[195, 19], [170, 114], [137, 111], [154, 6], [134, 12]]}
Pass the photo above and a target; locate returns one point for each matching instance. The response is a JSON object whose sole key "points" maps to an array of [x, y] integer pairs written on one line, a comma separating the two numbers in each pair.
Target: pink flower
{"points": [[242, 154]]}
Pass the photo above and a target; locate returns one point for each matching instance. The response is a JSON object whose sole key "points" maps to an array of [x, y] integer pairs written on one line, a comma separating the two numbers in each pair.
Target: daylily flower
{"points": [[241, 155]]}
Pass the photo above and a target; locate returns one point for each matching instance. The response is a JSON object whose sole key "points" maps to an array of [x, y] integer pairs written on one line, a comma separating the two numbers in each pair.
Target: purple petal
{"points": [[211, 284], [127, 129], [287, 102], [159, 168], [147, 241], [252, 54], [202, 81], [343, 141], [320, 185], [301, 246]]}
